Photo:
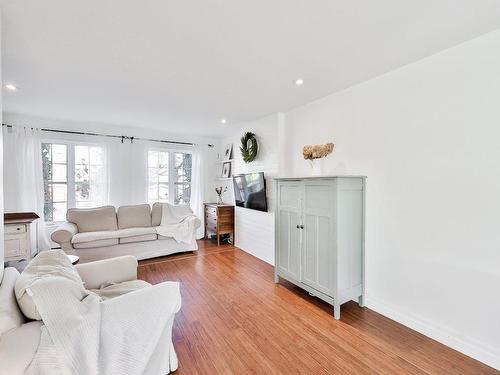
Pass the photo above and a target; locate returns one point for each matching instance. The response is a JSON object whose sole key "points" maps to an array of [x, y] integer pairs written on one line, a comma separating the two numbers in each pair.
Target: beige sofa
{"points": [[20, 337], [103, 232]]}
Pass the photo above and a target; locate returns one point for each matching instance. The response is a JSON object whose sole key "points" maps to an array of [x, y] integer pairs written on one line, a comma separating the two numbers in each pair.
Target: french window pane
{"points": [[163, 159], [153, 175], [97, 182], [153, 159], [153, 193], [82, 191], [59, 153], [81, 173], [163, 192], [96, 174], [59, 193], [59, 172], [81, 155], [163, 174]]}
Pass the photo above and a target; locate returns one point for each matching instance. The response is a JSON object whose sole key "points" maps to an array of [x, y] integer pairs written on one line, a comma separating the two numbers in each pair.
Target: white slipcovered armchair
{"points": [[20, 338]]}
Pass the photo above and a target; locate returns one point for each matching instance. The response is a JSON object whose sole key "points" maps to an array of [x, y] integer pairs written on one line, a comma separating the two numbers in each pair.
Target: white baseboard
{"points": [[468, 346]]}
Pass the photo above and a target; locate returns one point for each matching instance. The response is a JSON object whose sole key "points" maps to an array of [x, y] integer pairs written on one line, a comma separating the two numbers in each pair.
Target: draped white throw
{"points": [[198, 185], [23, 179]]}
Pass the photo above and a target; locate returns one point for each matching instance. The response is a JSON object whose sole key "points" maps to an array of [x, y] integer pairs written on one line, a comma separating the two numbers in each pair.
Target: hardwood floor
{"points": [[235, 320]]}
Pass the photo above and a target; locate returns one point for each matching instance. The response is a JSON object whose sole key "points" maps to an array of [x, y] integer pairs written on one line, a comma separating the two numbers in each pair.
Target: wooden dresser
{"points": [[219, 219]]}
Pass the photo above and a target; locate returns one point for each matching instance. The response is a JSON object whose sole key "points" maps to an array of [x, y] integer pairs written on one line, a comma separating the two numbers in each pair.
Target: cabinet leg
{"points": [[336, 311], [276, 278], [218, 240], [361, 300]]}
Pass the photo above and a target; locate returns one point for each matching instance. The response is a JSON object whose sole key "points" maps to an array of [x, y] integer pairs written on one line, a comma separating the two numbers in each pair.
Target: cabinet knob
{"points": [[301, 227], [298, 226]]}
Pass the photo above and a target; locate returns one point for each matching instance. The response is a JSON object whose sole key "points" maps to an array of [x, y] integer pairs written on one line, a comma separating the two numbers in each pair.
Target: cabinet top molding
{"points": [[319, 177]]}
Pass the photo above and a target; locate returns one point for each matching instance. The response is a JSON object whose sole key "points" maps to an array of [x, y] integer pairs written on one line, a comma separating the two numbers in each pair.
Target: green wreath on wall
{"points": [[249, 147]]}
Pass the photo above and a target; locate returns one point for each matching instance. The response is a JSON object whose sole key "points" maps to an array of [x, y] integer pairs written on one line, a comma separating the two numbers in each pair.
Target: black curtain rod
{"points": [[122, 137]]}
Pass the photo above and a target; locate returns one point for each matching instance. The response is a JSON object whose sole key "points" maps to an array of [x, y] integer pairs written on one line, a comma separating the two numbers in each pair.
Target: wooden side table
{"points": [[17, 236], [219, 219]]}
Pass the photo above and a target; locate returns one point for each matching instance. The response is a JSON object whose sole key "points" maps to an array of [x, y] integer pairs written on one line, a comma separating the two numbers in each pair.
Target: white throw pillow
{"points": [[52, 263]]}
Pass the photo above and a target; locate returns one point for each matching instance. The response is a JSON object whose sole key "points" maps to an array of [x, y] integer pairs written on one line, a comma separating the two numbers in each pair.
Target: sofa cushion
{"points": [[111, 234], [94, 236], [10, 314], [156, 214], [98, 243], [93, 219], [18, 347], [115, 290], [110, 237], [134, 216], [46, 264], [144, 237], [133, 232]]}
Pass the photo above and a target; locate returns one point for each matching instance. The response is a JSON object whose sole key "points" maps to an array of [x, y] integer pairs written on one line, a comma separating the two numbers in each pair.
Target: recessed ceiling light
{"points": [[10, 87], [299, 81], [223, 121]]}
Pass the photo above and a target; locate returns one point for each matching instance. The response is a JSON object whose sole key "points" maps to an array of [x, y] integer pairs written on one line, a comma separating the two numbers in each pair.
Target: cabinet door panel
{"points": [[318, 250], [310, 257], [288, 246], [294, 249], [283, 240]]}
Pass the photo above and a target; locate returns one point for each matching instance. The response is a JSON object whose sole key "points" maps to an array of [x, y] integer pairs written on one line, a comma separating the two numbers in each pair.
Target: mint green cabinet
{"points": [[320, 236]]}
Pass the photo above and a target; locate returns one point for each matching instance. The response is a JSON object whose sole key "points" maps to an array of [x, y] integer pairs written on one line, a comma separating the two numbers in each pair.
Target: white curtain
{"points": [[23, 179], [127, 171], [198, 185]]}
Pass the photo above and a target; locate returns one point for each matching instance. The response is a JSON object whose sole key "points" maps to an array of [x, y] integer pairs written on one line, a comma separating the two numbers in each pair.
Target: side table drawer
{"points": [[211, 211], [14, 229], [212, 227]]}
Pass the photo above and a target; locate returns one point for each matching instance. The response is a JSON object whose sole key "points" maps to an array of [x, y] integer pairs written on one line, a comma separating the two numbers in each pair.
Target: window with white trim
{"points": [[73, 176], [169, 176]]}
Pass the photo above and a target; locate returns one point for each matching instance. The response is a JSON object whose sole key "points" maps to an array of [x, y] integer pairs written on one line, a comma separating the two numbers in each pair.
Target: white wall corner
{"points": [[468, 346]]}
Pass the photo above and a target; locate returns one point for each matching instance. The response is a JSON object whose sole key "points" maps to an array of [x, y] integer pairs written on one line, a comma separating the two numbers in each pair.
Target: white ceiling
{"points": [[182, 65]]}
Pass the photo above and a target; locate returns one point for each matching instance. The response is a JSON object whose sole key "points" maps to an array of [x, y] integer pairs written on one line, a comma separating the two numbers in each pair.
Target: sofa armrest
{"points": [[106, 271], [64, 233]]}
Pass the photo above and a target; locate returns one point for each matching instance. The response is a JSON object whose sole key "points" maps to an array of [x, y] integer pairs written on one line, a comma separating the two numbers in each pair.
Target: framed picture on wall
{"points": [[228, 151], [226, 169]]}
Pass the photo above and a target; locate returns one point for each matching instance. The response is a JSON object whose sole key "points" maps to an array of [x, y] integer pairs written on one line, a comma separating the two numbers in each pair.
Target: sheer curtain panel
{"points": [[23, 179], [200, 154]]}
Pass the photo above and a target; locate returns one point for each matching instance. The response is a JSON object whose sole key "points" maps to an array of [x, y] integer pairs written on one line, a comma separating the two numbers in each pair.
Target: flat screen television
{"points": [[250, 191]]}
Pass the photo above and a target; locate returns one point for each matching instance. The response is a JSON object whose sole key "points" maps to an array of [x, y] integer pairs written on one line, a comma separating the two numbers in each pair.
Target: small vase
{"points": [[219, 200], [316, 167]]}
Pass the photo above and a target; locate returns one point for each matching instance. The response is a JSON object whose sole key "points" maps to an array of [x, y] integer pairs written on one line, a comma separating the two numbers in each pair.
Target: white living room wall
{"points": [[426, 135], [254, 230]]}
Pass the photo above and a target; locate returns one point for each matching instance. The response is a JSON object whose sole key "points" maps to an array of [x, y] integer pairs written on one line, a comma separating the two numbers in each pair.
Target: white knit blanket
{"points": [[178, 222], [83, 335]]}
